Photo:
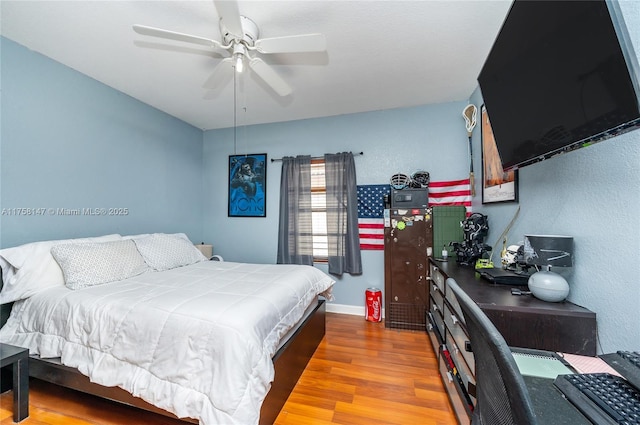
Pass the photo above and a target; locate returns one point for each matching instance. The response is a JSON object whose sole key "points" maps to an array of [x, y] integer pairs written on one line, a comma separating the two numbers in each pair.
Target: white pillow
{"points": [[164, 252], [88, 264], [144, 235], [30, 268]]}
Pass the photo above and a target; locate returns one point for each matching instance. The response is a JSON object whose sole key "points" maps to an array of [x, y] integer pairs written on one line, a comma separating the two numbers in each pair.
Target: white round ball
{"points": [[548, 286]]}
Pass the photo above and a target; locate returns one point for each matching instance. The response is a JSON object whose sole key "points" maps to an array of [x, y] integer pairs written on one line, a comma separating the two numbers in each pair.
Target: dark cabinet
{"points": [[406, 240]]}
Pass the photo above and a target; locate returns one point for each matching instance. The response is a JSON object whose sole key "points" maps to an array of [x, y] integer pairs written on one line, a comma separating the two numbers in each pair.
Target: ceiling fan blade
{"points": [[266, 73], [292, 44], [172, 35], [220, 75], [230, 15]]}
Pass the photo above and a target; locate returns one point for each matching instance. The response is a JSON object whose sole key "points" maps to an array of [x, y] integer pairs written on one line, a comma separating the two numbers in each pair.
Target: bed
{"points": [[212, 342]]}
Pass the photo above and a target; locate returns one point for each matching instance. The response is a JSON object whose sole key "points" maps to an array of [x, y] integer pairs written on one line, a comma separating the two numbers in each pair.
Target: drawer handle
{"points": [[467, 347], [454, 319], [435, 308], [435, 287]]}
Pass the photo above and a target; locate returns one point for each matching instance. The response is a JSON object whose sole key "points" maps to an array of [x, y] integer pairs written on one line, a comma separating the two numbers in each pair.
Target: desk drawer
{"points": [[437, 296], [437, 339], [437, 277], [458, 396], [464, 370], [459, 336], [451, 297], [436, 314]]}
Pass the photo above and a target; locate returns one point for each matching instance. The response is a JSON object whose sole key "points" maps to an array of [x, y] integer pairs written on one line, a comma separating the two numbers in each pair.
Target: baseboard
{"points": [[353, 310]]}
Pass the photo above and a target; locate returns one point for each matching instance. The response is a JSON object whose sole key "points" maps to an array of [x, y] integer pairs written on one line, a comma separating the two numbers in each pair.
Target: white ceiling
{"points": [[380, 54]]}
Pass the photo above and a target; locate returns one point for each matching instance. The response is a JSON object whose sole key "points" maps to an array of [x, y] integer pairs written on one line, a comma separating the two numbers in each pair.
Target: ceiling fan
{"points": [[240, 37]]}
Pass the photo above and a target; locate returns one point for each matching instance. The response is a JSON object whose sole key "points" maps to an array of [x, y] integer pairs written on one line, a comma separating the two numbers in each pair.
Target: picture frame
{"points": [[497, 185], [247, 185]]}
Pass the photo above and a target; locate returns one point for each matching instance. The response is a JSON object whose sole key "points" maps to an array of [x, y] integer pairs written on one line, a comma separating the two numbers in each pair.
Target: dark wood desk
{"points": [[19, 358], [525, 321]]}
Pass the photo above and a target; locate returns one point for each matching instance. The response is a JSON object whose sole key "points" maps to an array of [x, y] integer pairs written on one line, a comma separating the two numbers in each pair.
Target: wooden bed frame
{"points": [[290, 361]]}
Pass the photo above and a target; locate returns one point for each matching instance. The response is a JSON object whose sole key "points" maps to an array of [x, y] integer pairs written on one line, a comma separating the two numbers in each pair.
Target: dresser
{"points": [[523, 321]]}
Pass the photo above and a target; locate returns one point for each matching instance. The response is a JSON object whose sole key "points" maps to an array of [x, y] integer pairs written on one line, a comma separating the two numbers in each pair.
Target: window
{"points": [[319, 211]]}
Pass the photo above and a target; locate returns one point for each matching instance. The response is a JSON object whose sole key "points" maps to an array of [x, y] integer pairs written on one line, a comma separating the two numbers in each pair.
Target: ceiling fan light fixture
{"points": [[239, 52], [239, 63], [239, 36]]}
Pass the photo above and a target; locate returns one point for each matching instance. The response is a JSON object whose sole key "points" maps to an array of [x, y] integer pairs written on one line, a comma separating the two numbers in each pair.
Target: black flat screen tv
{"points": [[561, 75]]}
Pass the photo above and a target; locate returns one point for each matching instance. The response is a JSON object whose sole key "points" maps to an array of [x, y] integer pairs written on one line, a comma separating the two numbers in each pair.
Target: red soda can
{"points": [[373, 305]]}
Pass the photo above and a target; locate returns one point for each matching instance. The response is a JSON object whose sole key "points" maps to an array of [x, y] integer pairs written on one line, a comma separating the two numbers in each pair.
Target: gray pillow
{"points": [[163, 252], [88, 264]]}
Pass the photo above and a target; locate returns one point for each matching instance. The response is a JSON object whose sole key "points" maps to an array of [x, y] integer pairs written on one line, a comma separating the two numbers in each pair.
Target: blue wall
{"points": [[71, 142], [429, 138], [592, 194]]}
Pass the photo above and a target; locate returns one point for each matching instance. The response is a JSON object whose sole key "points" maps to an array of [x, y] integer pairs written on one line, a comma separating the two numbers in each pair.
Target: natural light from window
{"points": [[319, 211]]}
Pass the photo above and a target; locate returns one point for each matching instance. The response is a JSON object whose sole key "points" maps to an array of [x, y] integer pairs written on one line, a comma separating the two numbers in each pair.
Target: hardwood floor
{"points": [[362, 373]]}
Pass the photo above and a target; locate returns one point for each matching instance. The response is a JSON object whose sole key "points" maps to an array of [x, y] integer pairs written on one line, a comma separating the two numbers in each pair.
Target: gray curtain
{"points": [[295, 233], [342, 214]]}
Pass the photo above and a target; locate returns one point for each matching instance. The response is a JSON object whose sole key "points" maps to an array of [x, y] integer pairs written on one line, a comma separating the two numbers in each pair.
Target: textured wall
{"points": [[70, 142], [429, 138], [592, 194]]}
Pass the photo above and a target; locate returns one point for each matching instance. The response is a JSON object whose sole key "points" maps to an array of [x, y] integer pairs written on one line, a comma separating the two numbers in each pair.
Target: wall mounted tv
{"points": [[560, 75]]}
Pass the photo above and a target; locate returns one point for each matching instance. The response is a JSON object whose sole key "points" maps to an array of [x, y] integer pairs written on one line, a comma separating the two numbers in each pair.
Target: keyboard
{"points": [[503, 277], [627, 364], [631, 356], [603, 398]]}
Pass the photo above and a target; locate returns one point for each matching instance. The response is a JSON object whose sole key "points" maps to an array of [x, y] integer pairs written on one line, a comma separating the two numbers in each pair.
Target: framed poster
{"points": [[248, 185], [497, 185]]}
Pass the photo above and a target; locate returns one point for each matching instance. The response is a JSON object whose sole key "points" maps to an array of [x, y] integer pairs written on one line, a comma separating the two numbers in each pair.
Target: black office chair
{"points": [[501, 394]]}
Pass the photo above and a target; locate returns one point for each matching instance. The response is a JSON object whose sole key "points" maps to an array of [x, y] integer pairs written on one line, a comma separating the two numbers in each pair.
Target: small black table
{"points": [[19, 358]]}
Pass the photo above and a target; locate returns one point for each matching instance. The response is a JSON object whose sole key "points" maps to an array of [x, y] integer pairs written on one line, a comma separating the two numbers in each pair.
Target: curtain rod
{"points": [[280, 159]]}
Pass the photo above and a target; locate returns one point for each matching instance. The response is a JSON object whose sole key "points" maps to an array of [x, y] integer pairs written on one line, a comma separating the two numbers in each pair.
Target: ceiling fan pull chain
{"points": [[235, 112]]}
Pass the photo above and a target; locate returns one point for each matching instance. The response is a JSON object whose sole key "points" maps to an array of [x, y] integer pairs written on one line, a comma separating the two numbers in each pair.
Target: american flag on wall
{"points": [[371, 207], [370, 215], [454, 192]]}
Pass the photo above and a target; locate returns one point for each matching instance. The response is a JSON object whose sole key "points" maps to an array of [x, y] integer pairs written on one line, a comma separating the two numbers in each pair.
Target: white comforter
{"points": [[196, 340]]}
